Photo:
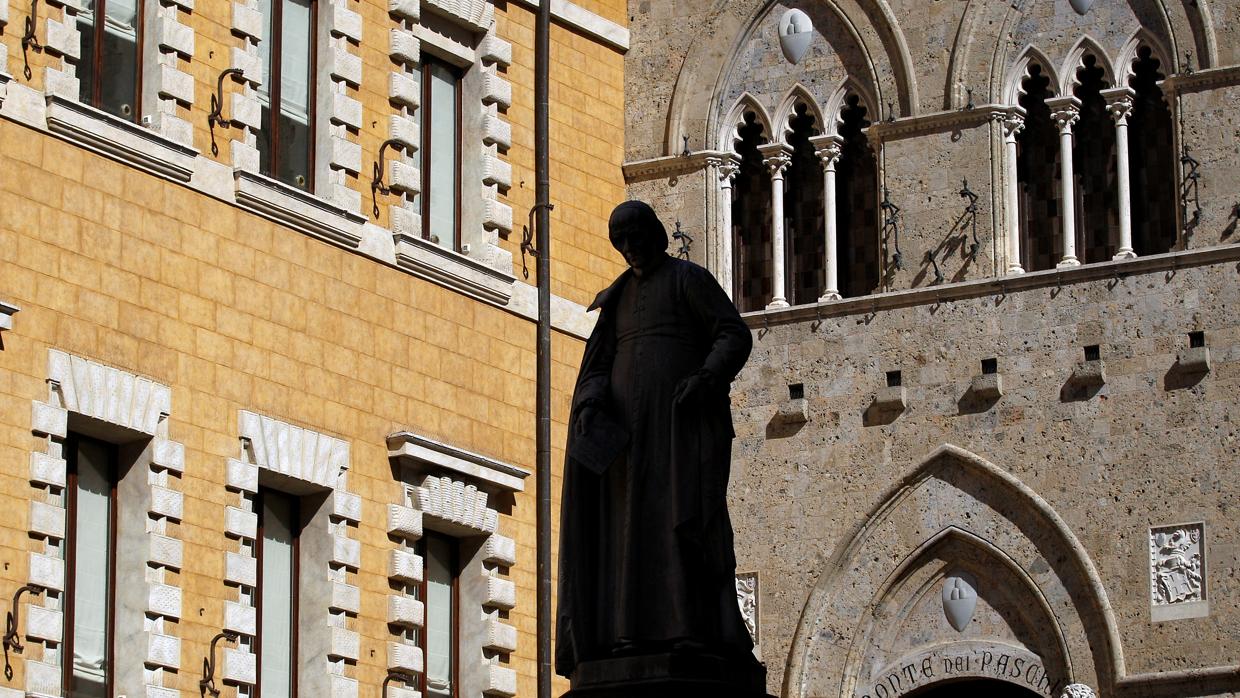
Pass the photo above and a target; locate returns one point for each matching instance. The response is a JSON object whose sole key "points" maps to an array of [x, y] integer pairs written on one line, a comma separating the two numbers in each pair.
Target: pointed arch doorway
{"points": [[973, 688]]}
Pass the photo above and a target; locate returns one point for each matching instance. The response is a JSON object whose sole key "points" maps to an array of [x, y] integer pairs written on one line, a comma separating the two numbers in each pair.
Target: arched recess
{"points": [[957, 493], [698, 95], [1013, 81], [1075, 60], [980, 54], [838, 102]]}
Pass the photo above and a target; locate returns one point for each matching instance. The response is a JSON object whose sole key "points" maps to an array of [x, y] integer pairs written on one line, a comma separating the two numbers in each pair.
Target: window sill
{"points": [[423, 453], [119, 139], [297, 209], [429, 261]]}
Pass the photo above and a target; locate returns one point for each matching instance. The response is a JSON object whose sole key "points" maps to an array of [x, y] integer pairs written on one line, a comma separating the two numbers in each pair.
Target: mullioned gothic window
{"points": [[1037, 174], [751, 222], [1151, 159], [857, 200], [803, 209], [1094, 168]]}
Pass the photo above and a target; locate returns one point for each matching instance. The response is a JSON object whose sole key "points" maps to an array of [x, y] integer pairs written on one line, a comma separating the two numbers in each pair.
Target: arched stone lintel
{"points": [[1127, 56], [1012, 84], [837, 566], [798, 94], [729, 132], [1086, 45]]}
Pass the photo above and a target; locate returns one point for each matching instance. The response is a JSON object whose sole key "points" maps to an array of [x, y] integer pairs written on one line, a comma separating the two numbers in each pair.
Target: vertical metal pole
{"points": [[542, 203]]}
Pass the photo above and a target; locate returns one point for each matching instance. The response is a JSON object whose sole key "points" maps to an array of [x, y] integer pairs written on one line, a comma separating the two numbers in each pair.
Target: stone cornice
{"points": [[1001, 285], [1202, 79], [417, 450], [670, 165], [938, 121]]}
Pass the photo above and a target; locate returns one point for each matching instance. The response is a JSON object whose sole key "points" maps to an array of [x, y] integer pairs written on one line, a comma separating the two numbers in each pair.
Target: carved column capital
{"points": [[726, 167], [1012, 122], [1119, 103], [1065, 111], [776, 157]]}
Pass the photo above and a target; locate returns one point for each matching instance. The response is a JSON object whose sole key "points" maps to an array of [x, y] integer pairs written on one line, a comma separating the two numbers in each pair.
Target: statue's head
{"points": [[638, 234]]}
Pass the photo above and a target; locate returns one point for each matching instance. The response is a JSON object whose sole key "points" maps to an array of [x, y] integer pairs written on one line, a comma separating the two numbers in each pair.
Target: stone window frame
{"points": [[122, 407], [454, 492], [162, 140], [331, 210], [461, 33], [312, 465]]}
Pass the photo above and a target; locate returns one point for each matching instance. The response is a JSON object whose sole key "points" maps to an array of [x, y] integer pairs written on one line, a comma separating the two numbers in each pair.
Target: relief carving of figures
{"points": [[747, 599], [1177, 566]]}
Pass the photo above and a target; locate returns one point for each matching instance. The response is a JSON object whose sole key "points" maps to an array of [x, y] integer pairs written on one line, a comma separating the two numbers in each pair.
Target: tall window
{"points": [[751, 222], [439, 593], [285, 141], [1152, 160], [1037, 175], [279, 528], [441, 153], [856, 187], [91, 563], [803, 207], [109, 69], [1094, 167]]}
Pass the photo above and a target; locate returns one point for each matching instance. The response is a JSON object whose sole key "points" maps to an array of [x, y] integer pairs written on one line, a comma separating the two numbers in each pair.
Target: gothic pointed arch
{"points": [[839, 101], [1084, 48], [983, 519], [796, 96], [1126, 59], [729, 131], [1013, 83]]}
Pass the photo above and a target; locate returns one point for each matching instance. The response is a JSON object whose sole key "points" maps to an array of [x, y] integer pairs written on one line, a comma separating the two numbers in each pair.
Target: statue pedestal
{"points": [[669, 675]]}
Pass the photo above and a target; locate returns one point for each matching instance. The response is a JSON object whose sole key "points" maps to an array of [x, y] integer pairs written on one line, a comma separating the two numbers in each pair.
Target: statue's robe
{"points": [[646, 552]]}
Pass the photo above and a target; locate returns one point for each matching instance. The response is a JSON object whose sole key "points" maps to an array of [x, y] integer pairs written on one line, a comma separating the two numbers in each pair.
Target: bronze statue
{"points": [[646, 559]]}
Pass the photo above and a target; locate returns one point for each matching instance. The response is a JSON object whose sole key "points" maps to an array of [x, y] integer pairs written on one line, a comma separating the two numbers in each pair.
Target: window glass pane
{"points": [[442, 141], [92, 551], [276, 595], [295, 76], [439, 575], [119, 78]]}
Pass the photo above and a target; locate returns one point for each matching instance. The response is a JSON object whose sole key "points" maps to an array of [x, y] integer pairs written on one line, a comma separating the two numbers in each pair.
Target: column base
{"points": [[1124, 254], [777, 304], [830, 296], [1015, 269], [1068, 262], [670, 675]]}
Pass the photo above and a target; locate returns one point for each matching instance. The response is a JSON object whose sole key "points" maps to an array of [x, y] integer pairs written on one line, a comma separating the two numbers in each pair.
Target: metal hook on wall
{"points": [[216, 116], [29, 40], [970, 211], [938, 273], [527, 239], [11, 639], [685, 240], [376, 183], [207, 683], [891, 227]]}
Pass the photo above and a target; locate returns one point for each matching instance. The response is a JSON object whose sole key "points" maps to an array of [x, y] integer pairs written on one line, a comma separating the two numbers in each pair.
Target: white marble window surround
{"points": [[461, 33], [454, 492], [337, 117], [119, 139], [313, 466], [131, 411]]}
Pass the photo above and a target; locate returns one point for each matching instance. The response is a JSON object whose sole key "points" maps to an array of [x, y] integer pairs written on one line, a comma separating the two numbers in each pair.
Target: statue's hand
{"points": [[584, 418], [691, 388]]}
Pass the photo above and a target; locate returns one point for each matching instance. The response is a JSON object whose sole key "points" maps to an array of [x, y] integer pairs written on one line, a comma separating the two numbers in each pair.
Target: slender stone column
{"points": [[1119, 106], [776, 157], [828, 150], [726, 167], [1066, 111], [1013, 122]]}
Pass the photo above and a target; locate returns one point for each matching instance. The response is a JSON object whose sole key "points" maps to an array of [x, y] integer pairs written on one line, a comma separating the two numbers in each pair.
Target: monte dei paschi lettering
{"points": [[1006, 664]]}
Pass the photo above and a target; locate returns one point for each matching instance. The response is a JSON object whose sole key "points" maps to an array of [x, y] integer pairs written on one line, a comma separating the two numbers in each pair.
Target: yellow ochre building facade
{"points": [[268, 352]]}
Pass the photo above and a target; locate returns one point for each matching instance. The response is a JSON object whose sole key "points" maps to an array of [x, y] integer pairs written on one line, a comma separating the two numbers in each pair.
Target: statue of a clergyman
{"points": [[646, 558]]}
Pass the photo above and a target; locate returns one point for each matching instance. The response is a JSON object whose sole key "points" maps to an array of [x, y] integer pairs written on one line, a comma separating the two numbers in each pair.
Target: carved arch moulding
{"points": [[989, 543], [871, 40]]}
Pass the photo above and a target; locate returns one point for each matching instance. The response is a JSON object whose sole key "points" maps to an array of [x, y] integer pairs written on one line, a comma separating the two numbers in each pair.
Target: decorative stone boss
{"points": [[647, 596]]}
